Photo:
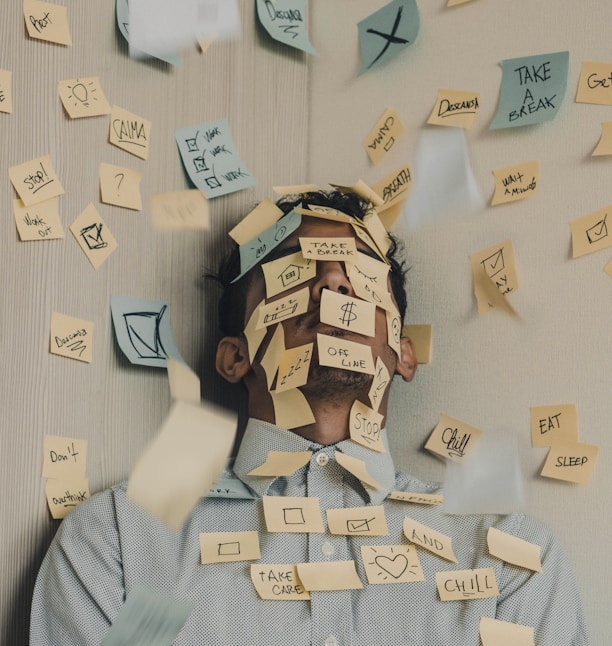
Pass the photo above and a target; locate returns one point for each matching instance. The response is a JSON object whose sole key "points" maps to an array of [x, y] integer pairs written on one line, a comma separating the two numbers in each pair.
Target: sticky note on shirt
{"points": [[348, 313], [358, 521], [63, 495], [573, 461], [594, 85], [228, 547], [329, 575], [494, 632], [6, 94], [130, 132], [46, 21], [71, 337], [93, 236], [429, 539], [365, 426], [455, 108], [383, 136], [292, 514], [516, 182], [120, 186], [64, 457], [40, 221], [83, 97], [591, 233], [453, 439], [513, 549], [282, 463], [358, 468], [35, 181], [553, 423], [279, 582], [462, 585], [391, 564], [179, 211], [418, 498], [347, 355]]}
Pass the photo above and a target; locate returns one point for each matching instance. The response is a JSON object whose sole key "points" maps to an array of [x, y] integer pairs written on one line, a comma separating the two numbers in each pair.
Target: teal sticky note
{"points": [[211, 160], [532, 89], [285, 21], [388, 31], [142, 329], [148, 618]]}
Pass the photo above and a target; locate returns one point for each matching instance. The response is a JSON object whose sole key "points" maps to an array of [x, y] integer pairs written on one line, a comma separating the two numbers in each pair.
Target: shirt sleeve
{"points": [[80, 588], [548, 601]]}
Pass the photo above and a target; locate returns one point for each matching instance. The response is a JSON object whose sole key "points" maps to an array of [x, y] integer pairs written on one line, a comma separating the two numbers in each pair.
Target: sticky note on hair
{"points": [[262, 217]]}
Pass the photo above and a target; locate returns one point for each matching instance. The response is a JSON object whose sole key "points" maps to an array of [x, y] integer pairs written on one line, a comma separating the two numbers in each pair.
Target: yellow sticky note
{"points": [[278, 581], [283, 308], [273, 354], [394, 188], [348, 313], [358, 468], [420, 335], [461, 585], [590, 233], [368, 277], [83, 97], [130, 132], [418, 498], [120, 186], [293, 367], [429, 539], [6, 95], [553, 423], [64, 457], [254, 336], [391, 564], [93, 236], [325, 213], [205, 43], [295, 189], [604, 147], [570, 461], [376, 229], [287, 272], [71, 337], [358, 521], [292, 514], [594, 85], [365, 426], [389, 216], [35, 181], [47, 21], [494, 632], [40, 221], [228, 547], [281, 463], [453, 439], [514, 550], [494, 265], [348, 355], [363, 190], [394, 331], [516, 182], [329, 248], [608, 267], [383, 136], [329, 575], [184, 383], [263, 216], [180, 211], [291, 409], [452, 3], [379, 384], [455, 108], [63, 495]]}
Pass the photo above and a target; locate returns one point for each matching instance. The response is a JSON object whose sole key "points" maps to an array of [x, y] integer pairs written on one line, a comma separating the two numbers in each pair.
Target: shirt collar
{"points": [[262, 437]]}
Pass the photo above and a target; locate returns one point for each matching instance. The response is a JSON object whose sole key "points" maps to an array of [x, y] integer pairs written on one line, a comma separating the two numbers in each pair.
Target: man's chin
{"points": [[327, 382]]}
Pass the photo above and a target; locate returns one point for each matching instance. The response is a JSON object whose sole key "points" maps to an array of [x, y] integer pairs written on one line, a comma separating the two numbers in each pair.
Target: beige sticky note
{"points": [[391, 564], [514, 550], [495, 632], [227, 547], [376, 229], [608, 267], [329, 575], [64, 457], [83, 97], [358, 468], [282, 463], [365, 237], [348, 313], [358, 521], [130, 132], [368, 277], [263, 216], [278, 582], [292, 514], [6, 94], [591, 233], [287, 272], [453, 439], [594, 85], [348, 355], [455, 108], [273, 354], [293, 367], [180, 211], [498, 263], [461, 585], [40, 221], [291, 409], [295, 189], [383, 136], [553, 423], [63, 495], [429, 539], [572, 461], [46, 21], [394, 331], [390, 215], [363, 190], [325, 213], [604, 146], [184, 383], [516, 182], [452, 3], [417, 498], [394, 188], [120, 186], [205, 43], [365, 426], [420, 335], [329, 248], [71, 337], [93, 236], [254, 336], [379, 384], [283, 308], [35, 181]]}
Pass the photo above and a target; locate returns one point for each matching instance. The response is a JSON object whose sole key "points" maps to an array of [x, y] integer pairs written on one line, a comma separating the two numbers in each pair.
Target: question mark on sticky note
{"points": [[119, 183]]}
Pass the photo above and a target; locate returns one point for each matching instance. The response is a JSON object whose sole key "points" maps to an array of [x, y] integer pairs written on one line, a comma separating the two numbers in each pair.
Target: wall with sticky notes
{"points": [[114, 143]]}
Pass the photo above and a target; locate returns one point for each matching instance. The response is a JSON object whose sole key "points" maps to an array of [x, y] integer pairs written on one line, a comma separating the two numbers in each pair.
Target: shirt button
{"points": [[322, 460], [327, 548], [331, 641]]}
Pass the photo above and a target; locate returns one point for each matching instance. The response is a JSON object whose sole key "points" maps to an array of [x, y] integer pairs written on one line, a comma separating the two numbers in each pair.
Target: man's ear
{"points": [[232, 360], [407, 362]]}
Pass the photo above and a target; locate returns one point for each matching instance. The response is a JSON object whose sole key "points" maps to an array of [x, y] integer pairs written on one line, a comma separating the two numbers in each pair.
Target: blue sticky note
{"points": [[210, 158], [532, 89], [255, 250], [285, 21], [142, 330], [388, 31]]}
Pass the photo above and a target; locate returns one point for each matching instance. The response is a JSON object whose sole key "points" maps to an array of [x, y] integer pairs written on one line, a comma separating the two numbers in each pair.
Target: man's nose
{"points": [[331, 274]]}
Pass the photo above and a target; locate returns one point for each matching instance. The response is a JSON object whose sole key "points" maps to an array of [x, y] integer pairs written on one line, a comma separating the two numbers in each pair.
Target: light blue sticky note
{"points": [[532, 89], [285, 21], [255, 250], [386, 32], [148, 618], [123, 22], [210, 158], [142, 330]]}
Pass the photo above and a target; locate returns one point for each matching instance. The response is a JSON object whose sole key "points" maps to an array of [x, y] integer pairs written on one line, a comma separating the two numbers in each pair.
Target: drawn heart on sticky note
{"points": [[395, 566]]}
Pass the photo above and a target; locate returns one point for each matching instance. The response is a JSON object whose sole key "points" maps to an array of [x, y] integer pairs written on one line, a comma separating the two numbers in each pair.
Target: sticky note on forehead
{"points": [[262, 217], [329, 248], [287, 272]]}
